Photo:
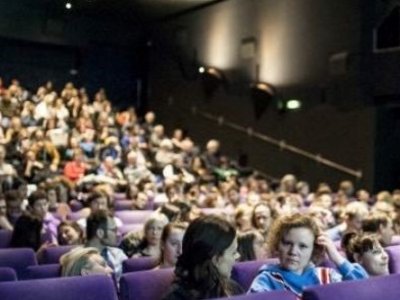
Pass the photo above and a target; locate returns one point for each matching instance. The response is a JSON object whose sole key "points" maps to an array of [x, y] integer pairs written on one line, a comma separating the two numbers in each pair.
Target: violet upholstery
{"points": [[394, 259], [74, 216], [133, 216], [52, 255], [138, 264], [18, 259], [374, 288], [276, 295], [153, 284], [7, 274], [244, 272], [5, 238], [44, 271], [124, 229], [66, 288], [123, 205]]}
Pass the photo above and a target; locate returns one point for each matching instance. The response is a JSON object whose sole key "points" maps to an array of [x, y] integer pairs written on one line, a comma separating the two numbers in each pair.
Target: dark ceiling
{"points": [[135, 11]]}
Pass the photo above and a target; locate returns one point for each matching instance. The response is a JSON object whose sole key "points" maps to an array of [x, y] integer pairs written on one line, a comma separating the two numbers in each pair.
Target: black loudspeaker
{"points": [[261, 96], [387, 34]]}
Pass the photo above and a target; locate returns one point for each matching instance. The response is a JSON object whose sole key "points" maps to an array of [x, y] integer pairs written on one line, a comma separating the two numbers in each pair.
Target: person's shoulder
{"points": [[177, 292]]}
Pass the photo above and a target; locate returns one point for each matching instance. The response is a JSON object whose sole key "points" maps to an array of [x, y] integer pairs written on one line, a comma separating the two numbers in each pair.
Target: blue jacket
{"points": [[273, 277]]}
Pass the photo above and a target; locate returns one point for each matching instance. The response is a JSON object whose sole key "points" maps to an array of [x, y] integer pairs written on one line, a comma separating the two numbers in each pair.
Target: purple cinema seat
{"points": [[245, 272], [66, 288], [374, 288], [124, 229], [5, 238], [74, 216], [133, 216], [52, 255], [138, 264], [123, 205], [394, 259], [44, 271], [153, 284], [275, 295], [7, 274], [119, 196], [18, 259]]}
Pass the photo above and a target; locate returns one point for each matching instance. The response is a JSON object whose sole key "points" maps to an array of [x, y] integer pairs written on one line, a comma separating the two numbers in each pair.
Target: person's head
{"points": [[354, 213], [101, 228], [365, 249], [293, 240], [209, 251], [69, 233], [346, 187], [38, 203], [171, 243], [153, 229], [27, 232], [13, 202], [262, 216], [324, 200], [98, 201], [243, 214], [251, 246], [379, 224], [84, 261]]}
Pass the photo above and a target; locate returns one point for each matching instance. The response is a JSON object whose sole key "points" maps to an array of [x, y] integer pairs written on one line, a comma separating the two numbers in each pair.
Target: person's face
{"points": [[141, 201], [387, 233], [172, 247], [375, 261], [69, 235], [225, 262], [14, 210], [295, 249], [260, 250], [96, 266], [244, 221], [52, 197], [262, 215], [110, 234], [99, 204], [153, 233], [326, 201], [233, 196], [3, 207], [355, 223], [40, 208]]}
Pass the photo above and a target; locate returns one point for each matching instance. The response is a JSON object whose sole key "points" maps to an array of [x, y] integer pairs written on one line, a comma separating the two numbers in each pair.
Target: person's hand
{"points": [[53, 168], [330, 248], [43, 247]]}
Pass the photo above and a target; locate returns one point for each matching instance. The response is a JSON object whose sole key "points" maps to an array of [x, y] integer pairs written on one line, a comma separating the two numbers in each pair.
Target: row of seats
{"points": [[154, 284]]}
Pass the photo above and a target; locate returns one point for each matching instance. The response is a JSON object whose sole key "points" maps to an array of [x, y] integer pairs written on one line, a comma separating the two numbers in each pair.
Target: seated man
{"points": [[39, 207], [381, 225], [101, 233]]}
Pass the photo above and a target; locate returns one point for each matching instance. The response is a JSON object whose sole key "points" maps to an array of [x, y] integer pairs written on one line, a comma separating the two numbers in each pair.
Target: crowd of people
{"points": [[63, 154]]}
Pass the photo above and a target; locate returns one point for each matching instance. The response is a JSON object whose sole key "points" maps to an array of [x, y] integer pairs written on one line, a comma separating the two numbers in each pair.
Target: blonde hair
{"points": [[74, 261]]}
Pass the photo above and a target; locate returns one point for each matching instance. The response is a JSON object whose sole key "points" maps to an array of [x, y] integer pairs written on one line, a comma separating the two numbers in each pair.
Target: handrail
{"points": [[279, 143]]}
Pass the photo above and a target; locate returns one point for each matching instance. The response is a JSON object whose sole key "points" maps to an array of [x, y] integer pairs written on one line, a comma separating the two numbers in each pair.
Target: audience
{"points": [[252, 246], [171, 244]]}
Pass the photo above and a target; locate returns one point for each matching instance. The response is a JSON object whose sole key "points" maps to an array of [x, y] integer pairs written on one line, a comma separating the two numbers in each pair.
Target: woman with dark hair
{"points": [[365, 249], [203, 270], [70, 233], [262, 218], [298, 243], [171, 244], [251, 246]]}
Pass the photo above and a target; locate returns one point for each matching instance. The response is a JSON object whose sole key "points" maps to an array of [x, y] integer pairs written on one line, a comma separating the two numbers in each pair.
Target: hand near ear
{"points": [[330, 248]]}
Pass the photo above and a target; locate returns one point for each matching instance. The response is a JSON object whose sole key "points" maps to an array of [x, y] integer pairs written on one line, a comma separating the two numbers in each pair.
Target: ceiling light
{"points": [[68, 5]]}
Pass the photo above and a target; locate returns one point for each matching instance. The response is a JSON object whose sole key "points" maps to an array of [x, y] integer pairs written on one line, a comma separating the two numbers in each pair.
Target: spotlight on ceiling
{"points": [[68, 5], [261, 94], [202, 70]]}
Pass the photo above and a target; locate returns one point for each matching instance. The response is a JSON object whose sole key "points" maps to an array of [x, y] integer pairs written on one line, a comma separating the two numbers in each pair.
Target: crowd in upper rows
{"points": [[61, 153]]}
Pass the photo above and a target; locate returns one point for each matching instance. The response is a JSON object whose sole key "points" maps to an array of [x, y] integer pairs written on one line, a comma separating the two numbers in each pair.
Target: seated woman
{"points": [[148, 243], [252, 246], [365, 249], [209, 252], [84, 261], [70, 233], [297, 242], [171, 244]]}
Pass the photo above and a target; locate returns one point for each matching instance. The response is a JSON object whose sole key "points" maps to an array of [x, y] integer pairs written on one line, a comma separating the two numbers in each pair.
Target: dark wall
{"points": [[40, 43], [295, 43]]}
